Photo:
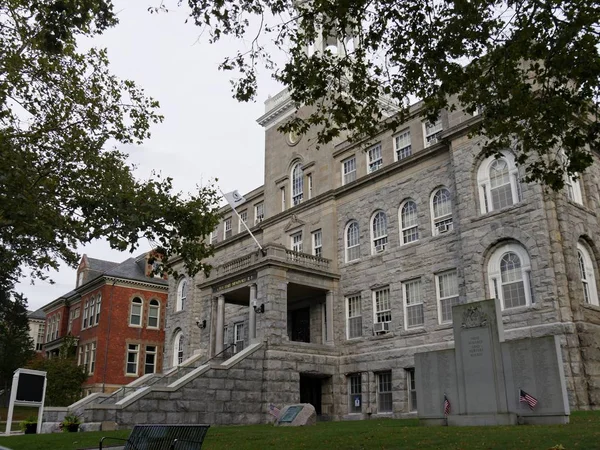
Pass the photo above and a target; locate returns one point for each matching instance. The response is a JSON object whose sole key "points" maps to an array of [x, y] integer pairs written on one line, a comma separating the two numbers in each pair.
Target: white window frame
{"points": [[374, 158], [283, 198], [573, 187], [86, 308], [348, 170], [443, 222], [132, 349], [181, 294], [92, 312], [402, 145], [353, 311], [382, 310], [354, 391], [317, 243], [452, 298], [309, 181], [297, 184], [92, 365], [494, 275], [296, 242], [350, 248], [587, 275], [411, 229], [432, 132], [227, 228], [389, 391], [379, 235], [98, 306], [486, 205], [133, 304], [243, 218], [177, 348], [152, 353], [414, 303], [154, 306], [259, 213], [238, 328]]}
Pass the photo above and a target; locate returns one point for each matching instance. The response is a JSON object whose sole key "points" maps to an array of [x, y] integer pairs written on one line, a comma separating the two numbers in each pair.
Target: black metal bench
{"points": [[163, 437]]}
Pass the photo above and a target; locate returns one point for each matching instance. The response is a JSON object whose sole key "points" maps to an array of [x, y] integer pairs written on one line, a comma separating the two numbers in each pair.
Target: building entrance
{"points": [[311, 391], [300, 321]]}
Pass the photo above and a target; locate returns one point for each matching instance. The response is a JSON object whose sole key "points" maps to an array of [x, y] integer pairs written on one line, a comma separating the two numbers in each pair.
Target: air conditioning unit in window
{"points": [[381, 327], [433, 140], [443, 227], [379, 248]]}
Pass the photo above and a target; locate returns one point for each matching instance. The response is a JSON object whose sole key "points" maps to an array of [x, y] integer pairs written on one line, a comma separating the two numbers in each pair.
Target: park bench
{"points": [[163, 437]]}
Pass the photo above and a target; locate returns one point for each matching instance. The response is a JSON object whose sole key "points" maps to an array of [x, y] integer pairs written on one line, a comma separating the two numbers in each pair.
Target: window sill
{"points": [[524, 308], [413, 331], [179, 312], [444, 326], [581, 207], [452, 232], [496, 212], [131, 375], [591, 307], [135, 326]]}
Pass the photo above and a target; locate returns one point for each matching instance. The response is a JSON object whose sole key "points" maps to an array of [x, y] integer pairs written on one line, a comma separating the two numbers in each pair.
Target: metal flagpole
{"points": [[244, 223]]}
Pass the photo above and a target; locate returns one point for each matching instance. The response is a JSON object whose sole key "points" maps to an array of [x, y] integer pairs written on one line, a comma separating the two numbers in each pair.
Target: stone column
{"points": [[220, 324], [252, 314], [329, 315]]}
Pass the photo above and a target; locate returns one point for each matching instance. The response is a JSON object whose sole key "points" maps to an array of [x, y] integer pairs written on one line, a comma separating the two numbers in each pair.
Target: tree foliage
{"points": [[532, 65], [16, 346], [60, 183]]}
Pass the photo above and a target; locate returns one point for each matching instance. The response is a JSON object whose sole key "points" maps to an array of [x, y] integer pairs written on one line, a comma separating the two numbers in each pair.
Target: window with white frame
{"points": [[297, 184], [242, 220], [283, 198], [309, 180], [181, 295], [374, 158], [317, 239], [297, 242], [573, 187], [384, 392], [80, 356], [71, 320], [402, 145], [86, 358], [135, 317], [379, 230], [177, 348], [150, 359], [349, 170], [214, 235], [153, 313], [133, 351], [354, 393], [39, 343], [352, 238], [227, 228], [447, 294], [587, 275], [92, 365], [92, 312], [86, 308], [509, 276], [382, 305], [259, 213], [98, 305], [354, 317], [411, 387], [432, 132], [409, 222], [498, 181], [413, 304], [238, 336], [441, 211]]}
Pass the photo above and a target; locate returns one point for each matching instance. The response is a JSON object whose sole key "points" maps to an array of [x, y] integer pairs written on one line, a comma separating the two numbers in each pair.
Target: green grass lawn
{"points": [[582, 433]]}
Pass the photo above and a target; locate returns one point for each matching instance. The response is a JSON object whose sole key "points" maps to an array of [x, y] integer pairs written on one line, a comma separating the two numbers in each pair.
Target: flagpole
{"points": [[245, 226]]}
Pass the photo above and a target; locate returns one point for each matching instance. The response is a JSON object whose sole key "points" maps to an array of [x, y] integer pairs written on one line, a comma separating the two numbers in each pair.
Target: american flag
{"points": [[446, 405], [274, 410], [526, 398]]}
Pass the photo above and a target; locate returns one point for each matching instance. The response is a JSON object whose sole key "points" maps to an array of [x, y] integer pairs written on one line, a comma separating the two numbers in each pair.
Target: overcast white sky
{"points": [[206, 133]]}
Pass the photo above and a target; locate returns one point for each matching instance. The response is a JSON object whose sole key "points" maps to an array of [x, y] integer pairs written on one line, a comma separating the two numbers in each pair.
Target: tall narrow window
{"points": [[355, 393], [508, 273], [411, 387], [214, 235], [297, 184], [242, 220], [297, 242], [432, 132], [153, 314], [150, 362], [441, 208], [92, 365], [132, 359], [379, 229], [573, 187], [86, 358], [382, 305], [498, 182], [283, 198], [354, 314], [181, 295], [317, 239], [384, 392], [92, 312], [402, 145], [409, 222], [352, 241], [178, 348], [98, 305], [227, 228], [238, 336], [259, 213], [86, 308], [135, 318], [587, 274], [447, 294], [413, 304], [349, 170], [374, 158], [309, 180]]}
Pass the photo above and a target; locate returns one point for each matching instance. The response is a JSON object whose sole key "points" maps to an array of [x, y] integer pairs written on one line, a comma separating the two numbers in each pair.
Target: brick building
{"points": [[116, 315]]}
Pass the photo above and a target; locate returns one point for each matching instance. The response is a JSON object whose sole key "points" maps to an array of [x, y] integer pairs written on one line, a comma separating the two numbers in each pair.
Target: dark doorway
{"points": [[310, 391], [301, 325]]}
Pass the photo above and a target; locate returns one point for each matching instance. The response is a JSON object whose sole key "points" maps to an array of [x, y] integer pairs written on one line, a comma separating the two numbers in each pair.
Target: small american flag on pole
{"points": [[446, 405], [524, 397], [274, 410]]}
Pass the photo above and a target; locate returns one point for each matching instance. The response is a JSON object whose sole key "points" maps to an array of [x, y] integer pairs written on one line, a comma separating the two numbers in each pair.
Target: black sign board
{"points": [[290, 414], [30, 388]]}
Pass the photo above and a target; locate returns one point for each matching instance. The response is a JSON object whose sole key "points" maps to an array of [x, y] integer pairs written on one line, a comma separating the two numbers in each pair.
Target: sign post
{"points": [[28, 389]]}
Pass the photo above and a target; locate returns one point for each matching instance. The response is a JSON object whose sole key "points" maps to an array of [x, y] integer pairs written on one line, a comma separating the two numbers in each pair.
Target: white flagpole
{"points": [[244, 223]]}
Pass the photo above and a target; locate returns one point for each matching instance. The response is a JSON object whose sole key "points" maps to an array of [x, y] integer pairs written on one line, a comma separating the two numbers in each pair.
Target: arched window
{"points": [[441, 211], [181, 295], [352, 241], [498, 181], [297, 184], [587, 275], [178, 348], [409, 222], [379, 230], [153, 314], [509, 276], [135, 317]]}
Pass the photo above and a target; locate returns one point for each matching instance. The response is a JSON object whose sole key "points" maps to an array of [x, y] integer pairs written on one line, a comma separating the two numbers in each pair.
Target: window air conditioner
{"points": [[381, 327], [379, 248], [443, 227], [433, 140]]}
